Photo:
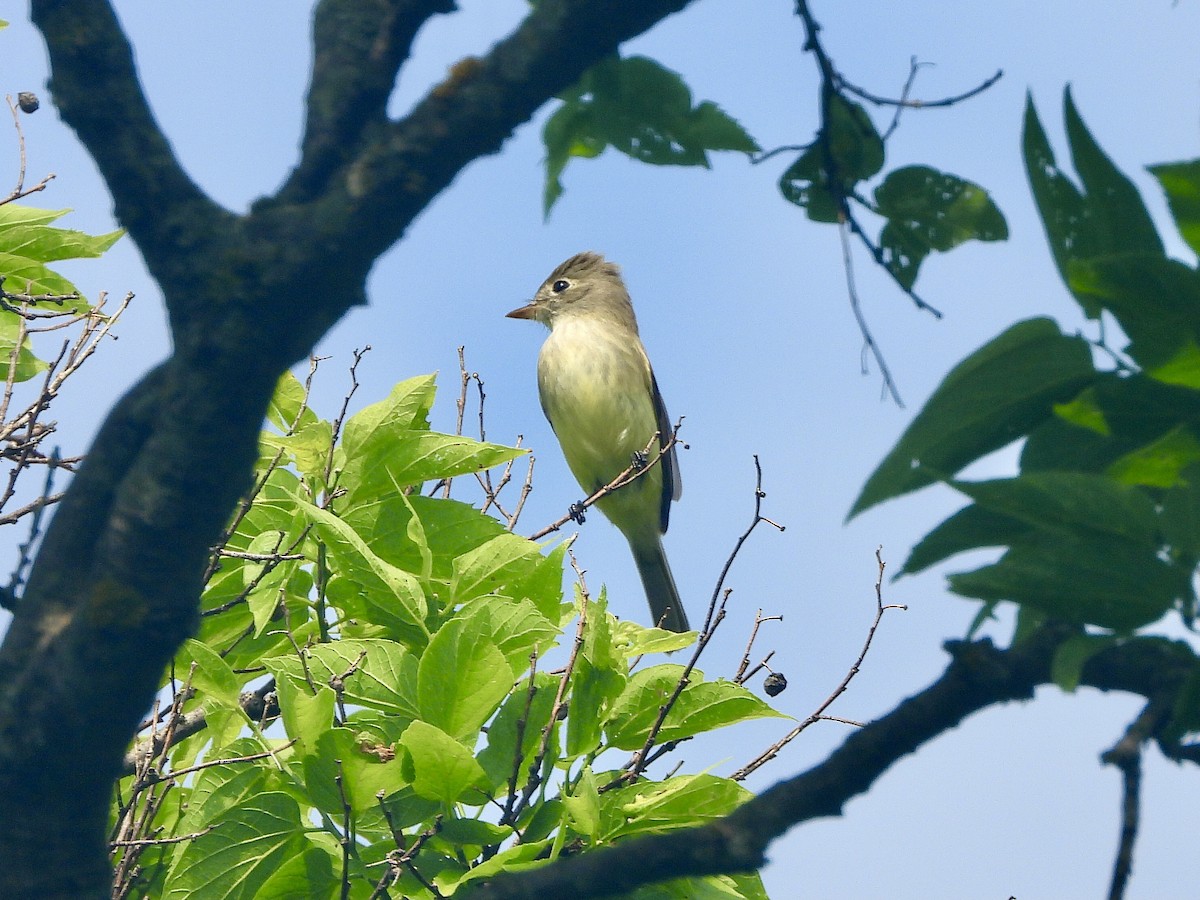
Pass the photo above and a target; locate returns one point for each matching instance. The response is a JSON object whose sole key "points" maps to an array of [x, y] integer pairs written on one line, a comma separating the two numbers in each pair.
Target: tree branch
{"points": [[358, 48], [979, 675]]}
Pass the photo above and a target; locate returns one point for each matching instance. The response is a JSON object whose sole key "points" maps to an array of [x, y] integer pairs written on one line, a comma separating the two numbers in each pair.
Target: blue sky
{"points": [[743, 309]]}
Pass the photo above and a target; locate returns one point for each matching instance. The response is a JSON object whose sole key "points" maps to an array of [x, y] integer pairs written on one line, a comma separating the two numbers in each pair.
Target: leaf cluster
{"points": [[1101, 527], [641, 108], [375, 717], [924, 210]]}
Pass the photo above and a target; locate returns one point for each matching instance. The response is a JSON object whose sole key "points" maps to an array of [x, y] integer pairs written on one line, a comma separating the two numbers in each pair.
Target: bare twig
{"points": [[638, 468], [819, 713]]}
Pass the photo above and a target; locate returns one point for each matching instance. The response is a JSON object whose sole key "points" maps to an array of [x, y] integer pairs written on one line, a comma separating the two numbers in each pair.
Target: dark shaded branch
{"points": [[979, 675], [95, 86], [358, 47]]}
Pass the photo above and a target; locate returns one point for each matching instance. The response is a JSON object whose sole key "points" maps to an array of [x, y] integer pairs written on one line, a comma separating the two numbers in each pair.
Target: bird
{"points": [[600, 396]]}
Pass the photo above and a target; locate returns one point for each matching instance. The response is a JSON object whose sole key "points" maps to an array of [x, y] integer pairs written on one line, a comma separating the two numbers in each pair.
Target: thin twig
{"points": [[819, 713]]}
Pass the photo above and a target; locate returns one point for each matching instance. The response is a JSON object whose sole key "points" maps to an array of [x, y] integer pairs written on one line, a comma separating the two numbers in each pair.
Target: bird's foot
{"points": [[576, 511], [639, 461]]}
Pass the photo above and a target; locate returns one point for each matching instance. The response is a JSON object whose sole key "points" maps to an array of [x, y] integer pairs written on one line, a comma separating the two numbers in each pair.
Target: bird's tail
{"points": [[665, 605]]}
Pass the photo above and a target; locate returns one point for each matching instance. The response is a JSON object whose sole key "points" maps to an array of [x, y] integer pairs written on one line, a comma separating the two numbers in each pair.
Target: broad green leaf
{"points": [[522, 857], [637, 640], [1071, 656], [393, 597], [1180, 519], [472, 834], [855, 145], [1156, 301], [928, 210], [1181, 183], [582, 804], [971, 528], [514, 626], [601, 673], [806, 184], [289, 409], [378, 674], [394, 461], [218, 689], [1160, 463], [233, 861], [217, 789], [1097, 580], [462, 677], [1074, 502], [442, 768], [406, 408], [520, 716], [679, 802], [1117, 209], [703, 706], [306, 716], [1106, 217], [490, 566], [28, 241], [448, 528], [642, 109], [364, 767], [994, 396], [309, 874]]}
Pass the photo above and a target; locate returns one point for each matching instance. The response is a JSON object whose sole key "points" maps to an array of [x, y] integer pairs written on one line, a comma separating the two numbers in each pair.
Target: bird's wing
{"points": [[672, 484]]}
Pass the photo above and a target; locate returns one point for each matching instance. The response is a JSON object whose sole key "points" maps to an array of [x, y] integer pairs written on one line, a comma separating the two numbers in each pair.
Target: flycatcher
{"points": [[599, 393]]}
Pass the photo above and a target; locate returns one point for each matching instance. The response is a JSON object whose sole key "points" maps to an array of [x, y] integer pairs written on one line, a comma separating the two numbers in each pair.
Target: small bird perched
{"points": [[599, 393]]}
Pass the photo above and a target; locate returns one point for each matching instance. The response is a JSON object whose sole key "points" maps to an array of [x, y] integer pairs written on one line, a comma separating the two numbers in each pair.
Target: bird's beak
{"points": [[528, 311]]}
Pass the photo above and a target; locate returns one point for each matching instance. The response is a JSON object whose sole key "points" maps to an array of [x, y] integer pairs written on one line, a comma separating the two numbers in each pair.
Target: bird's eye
{"points": [[559, 286]]}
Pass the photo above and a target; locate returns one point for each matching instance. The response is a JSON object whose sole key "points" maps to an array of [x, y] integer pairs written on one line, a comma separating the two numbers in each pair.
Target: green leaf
{"points": [[395, 461], [393, 597], [1071, 656], [306, 716], [582, 804], [679, 802], [288, 409], [855, 145], [1156, 301], [928, 210], [375, 673], [20, 360], [1106, 217], [600, 676], [1160, 463], [28, 242], [642, 109], [1119, 214], [365, 769], [971, 528], [1104, 581], [1073, 502], [218, 789], [442, 768], [988, 400], [446, 528], [519, 716], [514, 626], [702, 706], [462, 677], [1181, 183], [491, 566], [806, 184], [309, 873], [235, 860]]}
